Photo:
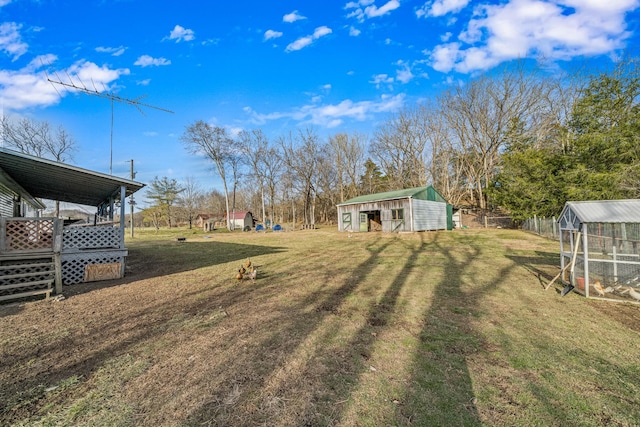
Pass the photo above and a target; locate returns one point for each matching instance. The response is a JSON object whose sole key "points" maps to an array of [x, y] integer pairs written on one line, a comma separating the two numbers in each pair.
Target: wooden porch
{"points": [[40, 255]]}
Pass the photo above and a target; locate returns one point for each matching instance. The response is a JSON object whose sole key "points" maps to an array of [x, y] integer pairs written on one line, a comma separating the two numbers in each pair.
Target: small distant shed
{"points": [[410, 209], [241, 220], [599, 248]]}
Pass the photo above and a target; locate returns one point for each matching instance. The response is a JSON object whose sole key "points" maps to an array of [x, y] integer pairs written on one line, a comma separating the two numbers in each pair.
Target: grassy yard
{"points": [[425, 329]]}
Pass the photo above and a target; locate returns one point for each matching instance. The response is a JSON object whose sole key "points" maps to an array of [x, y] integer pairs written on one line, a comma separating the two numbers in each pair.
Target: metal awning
{"points": [[603, 211], [48, 179]]}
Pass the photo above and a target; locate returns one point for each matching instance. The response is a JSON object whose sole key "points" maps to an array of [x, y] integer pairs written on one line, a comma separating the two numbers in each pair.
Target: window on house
{"points": [[397, 213]]}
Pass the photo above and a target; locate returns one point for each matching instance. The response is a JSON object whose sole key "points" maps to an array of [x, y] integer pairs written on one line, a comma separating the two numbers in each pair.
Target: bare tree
{"points": [[327, 182], [235, 162], [348, 156], [265, 163], [399, 148], [190, 199], [302, 159], [36, 138], [214, 143], [480, 115]]}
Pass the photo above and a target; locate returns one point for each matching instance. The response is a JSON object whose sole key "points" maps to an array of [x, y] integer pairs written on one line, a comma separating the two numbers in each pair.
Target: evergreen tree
{"points": [[165, 192]]}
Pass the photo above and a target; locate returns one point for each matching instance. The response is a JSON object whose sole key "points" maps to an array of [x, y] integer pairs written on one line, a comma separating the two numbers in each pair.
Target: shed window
{"points": [[397, 213]]}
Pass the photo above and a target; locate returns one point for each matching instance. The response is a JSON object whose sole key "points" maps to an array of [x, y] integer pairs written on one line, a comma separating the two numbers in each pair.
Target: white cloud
{"points": [[271, 34], [180, 33], [103, 76], [332, 115], [366, 9], [305, 41], [149, 61], [404, 74], [144, 82], [354, 32], [293, 17], [10, 40], [382, 79], [441, 7], [4, 2], [446, 36], [321, 32], [29, 87], [301, 43], [555, 30], [114, 51], [374, 11], [445, 56]]}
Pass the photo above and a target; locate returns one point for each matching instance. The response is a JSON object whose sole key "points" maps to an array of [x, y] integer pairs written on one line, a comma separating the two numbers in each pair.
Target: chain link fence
{"points": [[547, 227]]}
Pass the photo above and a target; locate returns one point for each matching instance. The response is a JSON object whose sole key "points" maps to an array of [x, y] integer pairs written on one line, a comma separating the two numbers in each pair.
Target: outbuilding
{"points": [[410, 209], [599, 254], [242, 220]]}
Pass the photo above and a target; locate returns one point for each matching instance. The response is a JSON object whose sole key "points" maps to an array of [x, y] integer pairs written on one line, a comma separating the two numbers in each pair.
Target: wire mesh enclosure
{"points": [[599, 248]]}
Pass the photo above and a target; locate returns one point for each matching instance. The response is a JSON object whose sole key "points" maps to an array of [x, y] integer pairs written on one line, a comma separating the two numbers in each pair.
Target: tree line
{"points": [[520, 140]]}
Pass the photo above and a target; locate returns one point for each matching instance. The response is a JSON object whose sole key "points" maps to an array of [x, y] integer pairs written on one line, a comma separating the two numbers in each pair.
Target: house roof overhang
{"points": [[48, 179]]}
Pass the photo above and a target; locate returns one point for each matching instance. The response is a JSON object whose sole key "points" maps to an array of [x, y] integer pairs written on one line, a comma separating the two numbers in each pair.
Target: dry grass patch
{"points": [[447, 328]]}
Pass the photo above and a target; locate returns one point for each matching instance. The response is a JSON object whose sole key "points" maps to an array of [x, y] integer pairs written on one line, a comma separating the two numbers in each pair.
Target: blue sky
{"points": [[334, 66]]}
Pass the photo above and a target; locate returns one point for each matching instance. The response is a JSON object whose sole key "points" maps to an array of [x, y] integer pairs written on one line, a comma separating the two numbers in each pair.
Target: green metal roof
{"points": [[422, 193]]}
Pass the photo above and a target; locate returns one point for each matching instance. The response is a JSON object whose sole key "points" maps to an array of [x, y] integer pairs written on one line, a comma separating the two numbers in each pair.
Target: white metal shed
{"points": [[599, 243]]}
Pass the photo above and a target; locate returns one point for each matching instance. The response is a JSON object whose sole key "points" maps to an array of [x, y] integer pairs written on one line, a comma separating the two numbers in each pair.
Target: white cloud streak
{"points": [[332, 115], [271, 34], [293, 17], [366, 9], [441, 7], [149, 61], [113, 51], [305, 41], [553, 29]]}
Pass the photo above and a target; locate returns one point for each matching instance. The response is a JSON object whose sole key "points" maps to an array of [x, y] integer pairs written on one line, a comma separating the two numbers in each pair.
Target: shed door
{"points": [[364, 221]]}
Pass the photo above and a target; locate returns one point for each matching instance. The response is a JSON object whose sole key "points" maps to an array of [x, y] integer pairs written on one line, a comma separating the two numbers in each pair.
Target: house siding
{"points": [[6, 202]]}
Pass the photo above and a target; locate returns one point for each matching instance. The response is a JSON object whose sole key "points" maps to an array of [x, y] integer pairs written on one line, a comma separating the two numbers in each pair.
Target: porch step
{"points": [[27, 277]]}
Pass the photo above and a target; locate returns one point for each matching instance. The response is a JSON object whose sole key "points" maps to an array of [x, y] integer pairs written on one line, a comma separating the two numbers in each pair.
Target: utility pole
{"points": [[131, 201]]}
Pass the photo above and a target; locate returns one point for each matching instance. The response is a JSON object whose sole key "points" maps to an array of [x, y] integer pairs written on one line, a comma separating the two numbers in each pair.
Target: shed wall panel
{"points": [[385, 208], [428, 215]]}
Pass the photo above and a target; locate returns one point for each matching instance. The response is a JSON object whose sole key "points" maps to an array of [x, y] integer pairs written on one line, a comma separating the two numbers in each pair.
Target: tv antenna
{"points": [[106, 95]]}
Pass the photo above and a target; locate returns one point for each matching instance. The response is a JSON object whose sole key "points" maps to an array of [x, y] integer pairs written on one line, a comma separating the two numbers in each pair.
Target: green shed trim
{"points": [[420, 193]]}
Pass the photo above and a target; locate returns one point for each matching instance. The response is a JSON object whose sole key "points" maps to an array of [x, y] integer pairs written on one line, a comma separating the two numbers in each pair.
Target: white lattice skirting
{"points": [[104, 236], [74, 263]]}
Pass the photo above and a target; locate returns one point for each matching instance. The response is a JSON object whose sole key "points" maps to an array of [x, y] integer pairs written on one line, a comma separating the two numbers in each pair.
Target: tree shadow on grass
{"points": [[443, 387], [269, 388], [543, 265], [254, 352], [80, 351], [162, 259]]}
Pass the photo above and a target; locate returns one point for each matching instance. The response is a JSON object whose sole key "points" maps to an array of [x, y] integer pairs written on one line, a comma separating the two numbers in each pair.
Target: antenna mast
{"points": [[111, 97]]}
